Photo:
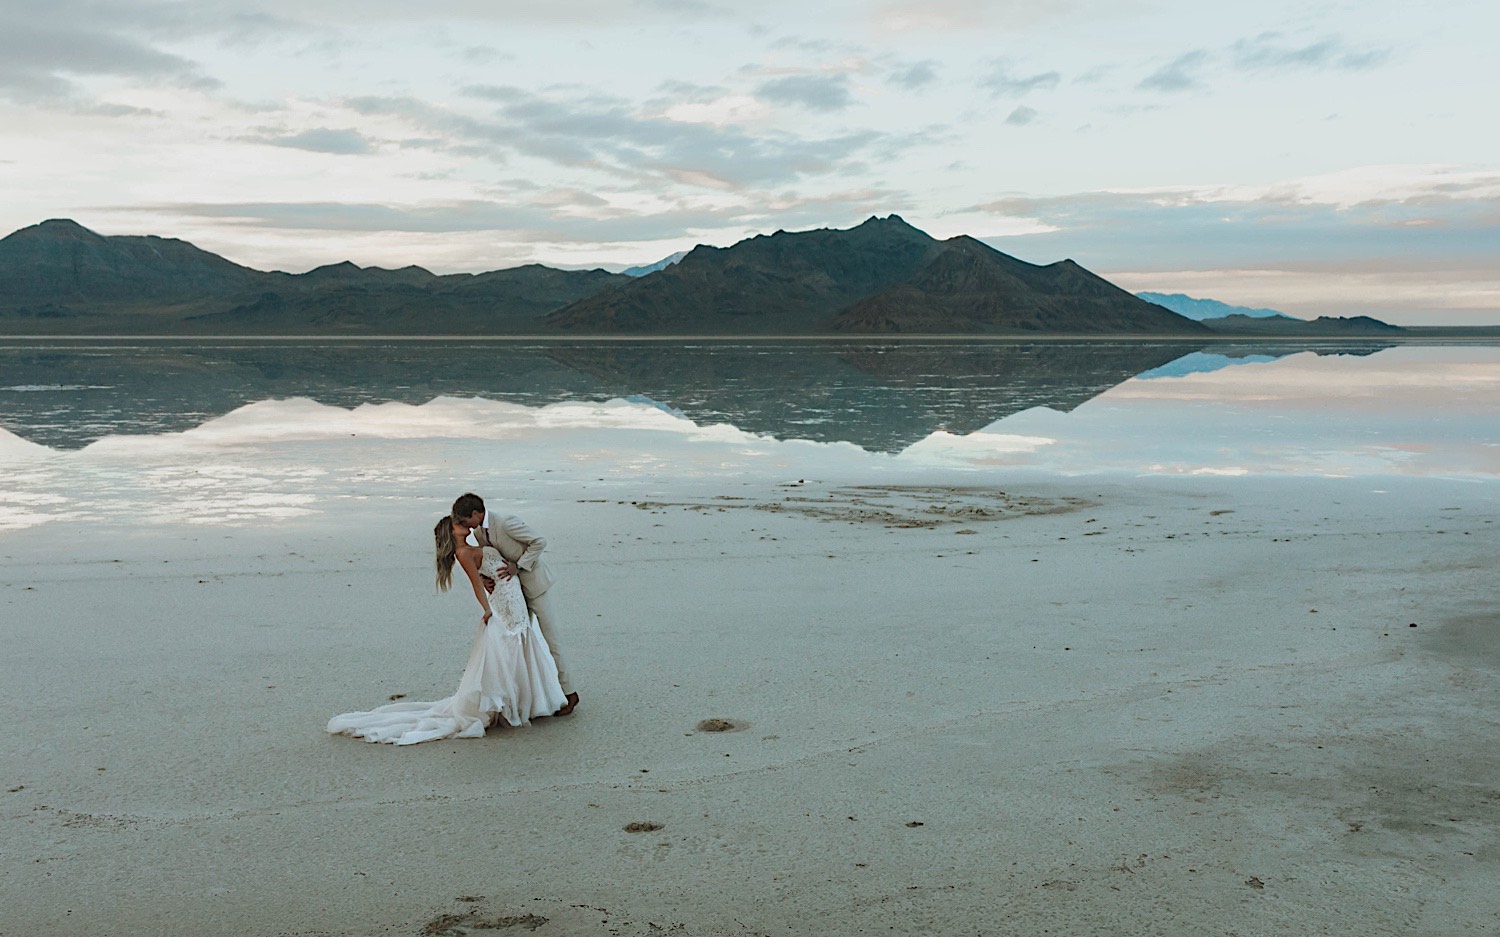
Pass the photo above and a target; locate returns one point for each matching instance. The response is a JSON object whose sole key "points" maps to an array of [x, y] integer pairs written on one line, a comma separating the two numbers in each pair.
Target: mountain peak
{"points": [[343, 268], [662, 264], [56, 229], [892, 220], [883, 275], [890, 230]]}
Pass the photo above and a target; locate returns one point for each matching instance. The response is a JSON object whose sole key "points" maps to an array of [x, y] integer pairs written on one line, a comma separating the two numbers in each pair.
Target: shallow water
{"points": [[263, 430]]}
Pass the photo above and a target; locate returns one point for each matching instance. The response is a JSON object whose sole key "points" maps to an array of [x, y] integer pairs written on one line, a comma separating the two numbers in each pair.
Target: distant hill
{"points": [[1332, 326], [881, 276], [652, 268], [62, 263], [59, 276], [1200, 309], [968, 286], [1242, 320], [373, 300]]}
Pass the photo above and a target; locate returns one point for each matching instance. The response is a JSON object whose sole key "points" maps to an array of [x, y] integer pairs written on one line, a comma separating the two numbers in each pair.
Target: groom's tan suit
{"points": [[523, 547]]}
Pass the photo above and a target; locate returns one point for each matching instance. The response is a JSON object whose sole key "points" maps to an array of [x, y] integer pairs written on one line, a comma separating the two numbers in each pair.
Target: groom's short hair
{"points": [[467, 504]]}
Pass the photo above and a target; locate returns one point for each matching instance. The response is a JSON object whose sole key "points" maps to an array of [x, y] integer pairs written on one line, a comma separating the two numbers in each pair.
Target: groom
{"points": [[522, 548]]}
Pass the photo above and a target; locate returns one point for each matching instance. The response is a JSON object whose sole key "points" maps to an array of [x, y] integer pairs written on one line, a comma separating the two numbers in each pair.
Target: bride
{"points": [[511, 674]]}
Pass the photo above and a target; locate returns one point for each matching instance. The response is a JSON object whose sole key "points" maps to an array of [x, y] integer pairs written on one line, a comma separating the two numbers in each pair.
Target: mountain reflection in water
{"points": [[881, 396]]}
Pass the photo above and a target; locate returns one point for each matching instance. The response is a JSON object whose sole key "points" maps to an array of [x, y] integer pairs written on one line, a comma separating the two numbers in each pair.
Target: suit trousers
{"points": [[541, 607]]}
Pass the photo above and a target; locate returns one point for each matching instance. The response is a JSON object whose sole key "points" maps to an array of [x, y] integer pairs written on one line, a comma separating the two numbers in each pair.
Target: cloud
{"points": [[1287, 226], [39, 61], [55, 54], [1003, 82], [572, 15], [815, 46], [1423, 255], [557, 216], [680, 7], [600, 133], [344, 142], [721, 109], [814, 92], [1178, 75], [1021, 116], [485, 55], [917, 75], [1268, 51], [439, 217], [1095, 75], [906, 16], [226, 20]]}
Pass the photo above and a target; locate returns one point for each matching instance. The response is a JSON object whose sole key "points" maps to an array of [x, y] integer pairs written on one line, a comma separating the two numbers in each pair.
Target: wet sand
{"points": [[1175, 707]]}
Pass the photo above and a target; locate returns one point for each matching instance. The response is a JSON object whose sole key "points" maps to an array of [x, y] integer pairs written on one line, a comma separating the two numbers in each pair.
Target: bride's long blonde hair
{"points": [[447, 551]]}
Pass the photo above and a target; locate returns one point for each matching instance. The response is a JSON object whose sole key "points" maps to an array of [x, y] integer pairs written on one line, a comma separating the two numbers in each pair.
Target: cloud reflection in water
{"points": [[1413, 411]]}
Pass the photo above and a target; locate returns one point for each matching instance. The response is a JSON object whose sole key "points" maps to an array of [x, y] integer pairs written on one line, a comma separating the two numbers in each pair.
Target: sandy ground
{"points": [[1196, 707]]}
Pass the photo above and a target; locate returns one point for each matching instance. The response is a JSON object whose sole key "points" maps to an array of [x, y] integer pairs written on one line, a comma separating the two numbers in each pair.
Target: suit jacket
{"points": [[522, 546]]}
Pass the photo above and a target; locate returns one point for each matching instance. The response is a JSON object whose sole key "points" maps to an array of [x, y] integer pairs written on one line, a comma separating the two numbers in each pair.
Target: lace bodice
{"points": [[491, 562], [507, 601]]}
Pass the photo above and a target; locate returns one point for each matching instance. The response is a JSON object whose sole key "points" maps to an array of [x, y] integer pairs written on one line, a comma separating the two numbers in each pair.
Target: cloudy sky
{"points": [[1317, 157]]}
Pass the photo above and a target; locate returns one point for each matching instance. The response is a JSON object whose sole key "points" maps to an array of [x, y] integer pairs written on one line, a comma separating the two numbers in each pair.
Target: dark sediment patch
{"points": [[720, 725], [643, 826]]}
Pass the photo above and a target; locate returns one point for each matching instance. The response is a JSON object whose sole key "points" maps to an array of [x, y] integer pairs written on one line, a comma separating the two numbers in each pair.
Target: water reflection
{"points": [[1427, 411], [160, 447], [883, 397]]}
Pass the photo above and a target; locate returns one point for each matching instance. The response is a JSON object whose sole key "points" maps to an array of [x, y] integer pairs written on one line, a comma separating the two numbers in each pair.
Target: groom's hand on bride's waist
{"points": [[504, 573]]}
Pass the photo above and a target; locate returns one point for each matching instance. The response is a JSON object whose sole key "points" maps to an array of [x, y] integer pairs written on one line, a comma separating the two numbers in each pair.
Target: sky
{"points": [[1321, 158]]}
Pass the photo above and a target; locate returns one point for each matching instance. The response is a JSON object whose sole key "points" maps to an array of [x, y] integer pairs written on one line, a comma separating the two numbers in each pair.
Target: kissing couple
{"points": [[515, 671]]}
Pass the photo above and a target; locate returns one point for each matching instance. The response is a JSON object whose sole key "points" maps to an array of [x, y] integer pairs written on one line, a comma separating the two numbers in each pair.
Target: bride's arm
{"points": [[467, 562]]}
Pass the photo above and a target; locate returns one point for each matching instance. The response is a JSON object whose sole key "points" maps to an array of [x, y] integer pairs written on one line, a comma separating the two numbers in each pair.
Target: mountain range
{"points": [[1247, 321], [882, 276], [1201, 309], [59, 276]]}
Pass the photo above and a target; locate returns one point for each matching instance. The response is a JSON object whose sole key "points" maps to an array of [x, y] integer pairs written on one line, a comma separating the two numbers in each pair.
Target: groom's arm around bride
{"points": [[522, 546]]}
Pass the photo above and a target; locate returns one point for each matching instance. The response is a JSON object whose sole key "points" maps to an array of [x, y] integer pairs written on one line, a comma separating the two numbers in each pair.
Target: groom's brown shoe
{"points": [[572, 699]]}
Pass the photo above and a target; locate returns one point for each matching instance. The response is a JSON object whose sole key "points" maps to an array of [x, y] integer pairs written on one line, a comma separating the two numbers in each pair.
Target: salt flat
{"points": [[1135, 706]]}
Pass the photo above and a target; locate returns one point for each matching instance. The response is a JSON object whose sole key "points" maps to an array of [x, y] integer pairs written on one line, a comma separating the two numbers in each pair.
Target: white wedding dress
{"points": [[510, 671]]}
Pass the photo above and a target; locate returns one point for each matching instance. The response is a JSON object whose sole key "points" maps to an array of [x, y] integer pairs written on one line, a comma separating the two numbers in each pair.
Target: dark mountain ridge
{"points": [[881, 276], [62, 262], [1322, 325], [968, 286], [782, 283], [60, 276]]}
